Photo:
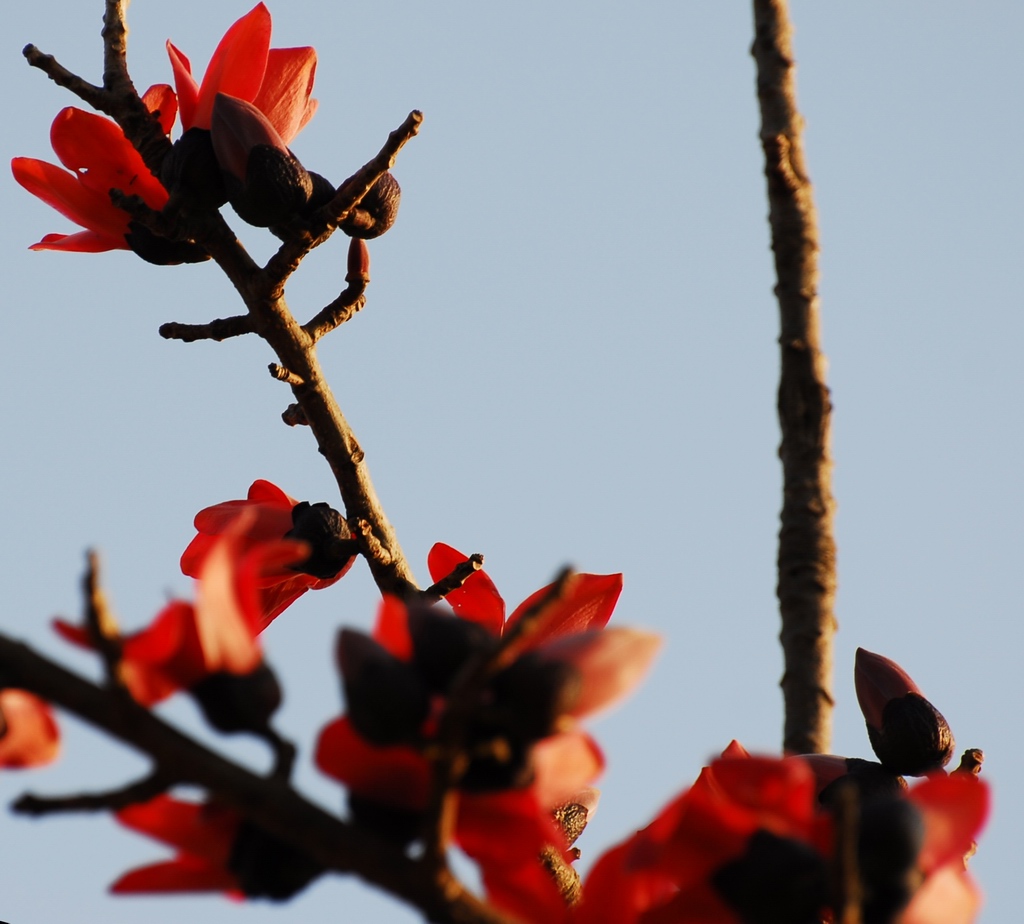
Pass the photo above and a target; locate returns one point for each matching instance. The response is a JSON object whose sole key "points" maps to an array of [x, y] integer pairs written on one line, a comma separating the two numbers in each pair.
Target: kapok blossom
{"points": [[278, 81], [29, 736], [98, 158], [187, 643], [270, 517], [396, 684], [748, 842], [217, 851]]}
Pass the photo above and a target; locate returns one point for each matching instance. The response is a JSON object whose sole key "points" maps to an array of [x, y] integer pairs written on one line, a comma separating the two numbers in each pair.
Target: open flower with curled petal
{"points": [[210, 648], [217, 851], [271, 515], [525, 755], [96, 158]]}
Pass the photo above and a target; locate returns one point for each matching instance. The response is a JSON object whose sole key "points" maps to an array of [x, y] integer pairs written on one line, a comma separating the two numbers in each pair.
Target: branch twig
{"points": [[218, 329], [266, 801], [806, 562]]}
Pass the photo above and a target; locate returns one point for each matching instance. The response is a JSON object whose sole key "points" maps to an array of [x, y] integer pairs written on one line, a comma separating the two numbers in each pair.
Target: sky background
{"points": [[568, 355]]}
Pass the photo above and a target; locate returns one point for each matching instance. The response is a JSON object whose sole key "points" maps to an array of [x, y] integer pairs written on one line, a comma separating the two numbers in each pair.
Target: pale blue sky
{"points": [[568, 355]]}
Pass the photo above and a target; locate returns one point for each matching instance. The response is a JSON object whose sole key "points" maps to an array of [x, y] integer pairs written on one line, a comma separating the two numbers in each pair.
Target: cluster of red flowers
{"points": [[755, 839], [236, 123]]}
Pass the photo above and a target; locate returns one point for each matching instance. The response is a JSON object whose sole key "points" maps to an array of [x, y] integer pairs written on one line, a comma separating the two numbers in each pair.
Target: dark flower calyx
{"points": [[267, 867], [532, 693], [386, 701], [870, 779], [239, 702], [914, 737], [442, 644], [889, 837], [325, 530], [776, 879], [265, 183], [162, 251], [377, 210], [191, 174]]}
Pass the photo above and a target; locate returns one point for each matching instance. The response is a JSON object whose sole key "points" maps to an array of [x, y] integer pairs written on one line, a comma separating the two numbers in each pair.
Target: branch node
{"points": [[284, 375], [295, 416]]}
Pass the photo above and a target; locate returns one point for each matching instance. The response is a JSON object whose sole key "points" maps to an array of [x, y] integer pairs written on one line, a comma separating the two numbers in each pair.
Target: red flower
{"points": [[392, 682], [750, 830], [203, 836], [29, 736], [269, 512], [504, 832], [187, 643], [278, 81], [99, 158], [218, 851]]}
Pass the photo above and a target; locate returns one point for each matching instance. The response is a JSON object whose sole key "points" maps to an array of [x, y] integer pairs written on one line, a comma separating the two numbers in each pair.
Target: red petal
{"points": [[477, 600], [879, 680], [948, 896], [102, 158], [266, 492], [954, 808], [614, 891], [610, 662], [392, 627], [527, 892], [735, 749], [284, 96], [62, 191], [82, 242], [396, 776], [526, 828], [587, 604], [185, 84], [206, 831], [31, 738], [185, 874], [237, 65], [563, 766], [161, 101]]}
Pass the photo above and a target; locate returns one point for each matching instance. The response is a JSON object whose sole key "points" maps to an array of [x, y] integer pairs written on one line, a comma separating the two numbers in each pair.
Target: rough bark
{"points": [[806, 560]]}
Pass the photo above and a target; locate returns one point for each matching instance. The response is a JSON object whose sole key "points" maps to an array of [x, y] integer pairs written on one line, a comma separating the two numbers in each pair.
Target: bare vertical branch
{"points": [[806, 562]]}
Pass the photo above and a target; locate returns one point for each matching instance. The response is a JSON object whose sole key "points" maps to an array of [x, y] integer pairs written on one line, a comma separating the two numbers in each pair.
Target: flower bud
{"points": [[328, 536], [358, 261], [265, 182], [377, 210], [909, 735], [239, 702], [386, 701]]}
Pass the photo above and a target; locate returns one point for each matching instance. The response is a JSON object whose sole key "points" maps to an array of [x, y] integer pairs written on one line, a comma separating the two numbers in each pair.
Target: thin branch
{"points": [[60, 75], [458, 576], [113, 800], [285, 375], [218, 329], [344, 307], [100, 621], [348, 196], [806, 561], [115, 49], [266, 801]]}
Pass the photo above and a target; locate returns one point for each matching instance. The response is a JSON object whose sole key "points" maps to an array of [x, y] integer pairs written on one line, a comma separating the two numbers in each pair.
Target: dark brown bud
{"points": [[377, 211], [325, 530], [442, 644]]}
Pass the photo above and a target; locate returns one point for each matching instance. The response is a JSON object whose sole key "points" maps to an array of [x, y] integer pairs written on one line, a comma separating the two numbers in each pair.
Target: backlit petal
{"points": [[284, 96], [30, 736]]}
